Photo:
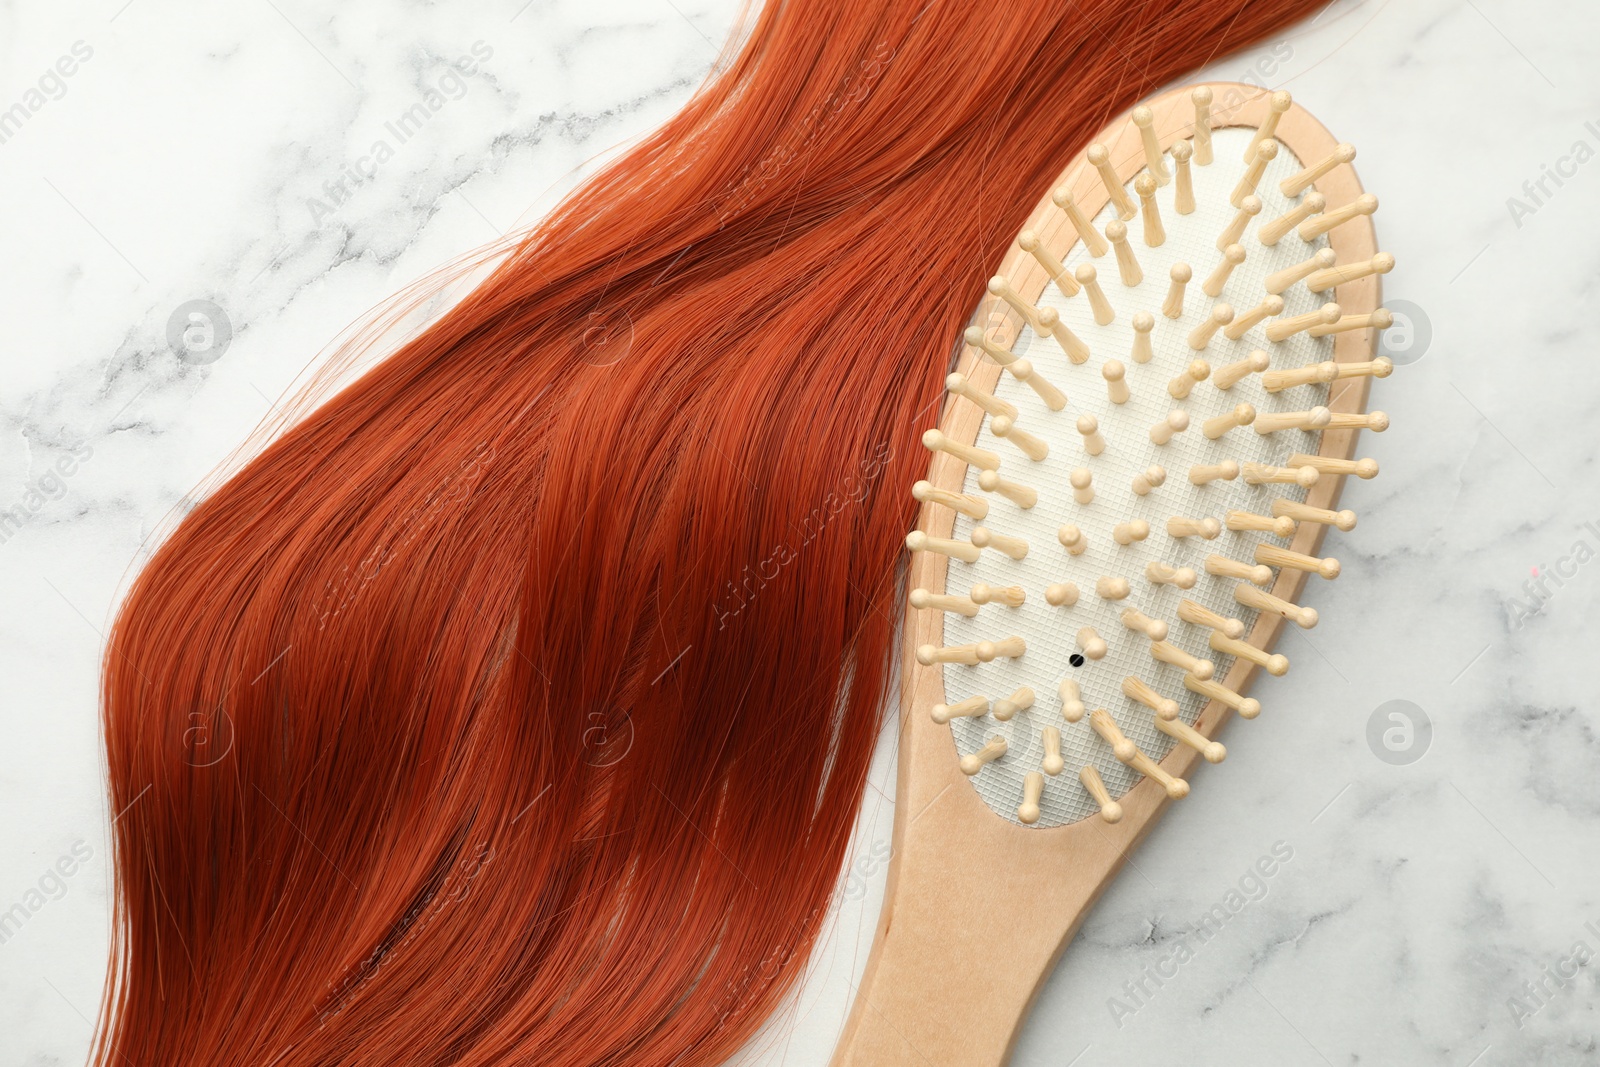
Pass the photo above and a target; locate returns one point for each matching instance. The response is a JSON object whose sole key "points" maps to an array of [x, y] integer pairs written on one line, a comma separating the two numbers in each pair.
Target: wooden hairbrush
{"points": [[1145, 441]]}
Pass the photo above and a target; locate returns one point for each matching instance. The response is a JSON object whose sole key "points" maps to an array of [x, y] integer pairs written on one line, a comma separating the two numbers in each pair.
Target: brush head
{"points": [[1177, 572]]}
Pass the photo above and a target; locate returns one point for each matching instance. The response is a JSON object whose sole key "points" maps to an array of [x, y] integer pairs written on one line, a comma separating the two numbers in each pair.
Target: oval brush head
{"points": [[1144, 443], [1148, 484]]}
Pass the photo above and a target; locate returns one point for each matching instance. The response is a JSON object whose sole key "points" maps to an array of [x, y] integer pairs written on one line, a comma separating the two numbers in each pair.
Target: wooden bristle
{"points": [[1138, 621], [1247, 707], [1138, 691], [958, 385], [1099, 158], [1053, 398], [1276, 229], [1183, 194], [1298, 512], [1338, 274], [1232, 256], [1001, 287], [1176, 422], [1154, 160], [1228, 375], [1202, 125], [1381, 319], [1265, 152], [1180, 274], [1208, 528], [990, 752], [925, 492], [1024, 496], [1361, 468], [1271, 662], [1015, 547], [1199, 615], [1012, 596], [1080, 223], [1276, 108], [1127, 264], [1155, 234], [1095, 786], [1073, 345], [925, 600], [1197, 371], [1200, 336], [1030, 243], [1317, 225], [1216, 428], [1089, 278], [1210, 751], [972, 707], [976, 338], [1249, 208], [1297, 184], [1261, 600], [917, 541], [935, 441], [1020, 700], [1167, 652]]}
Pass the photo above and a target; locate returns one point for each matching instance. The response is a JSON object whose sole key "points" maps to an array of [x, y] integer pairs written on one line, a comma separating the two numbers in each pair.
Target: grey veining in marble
{"points": [[1441, 910]]}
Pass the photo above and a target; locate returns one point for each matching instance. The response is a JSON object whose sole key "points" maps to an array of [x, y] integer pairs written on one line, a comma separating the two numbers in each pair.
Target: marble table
{"points": [[226, 162]]}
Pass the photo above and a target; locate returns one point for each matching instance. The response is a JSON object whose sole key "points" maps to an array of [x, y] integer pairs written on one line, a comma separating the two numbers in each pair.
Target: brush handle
{"points": [[956, 967]]}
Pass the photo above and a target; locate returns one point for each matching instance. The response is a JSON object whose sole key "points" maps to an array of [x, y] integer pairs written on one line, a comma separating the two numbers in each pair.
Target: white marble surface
{"points": [[177, 161]]}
